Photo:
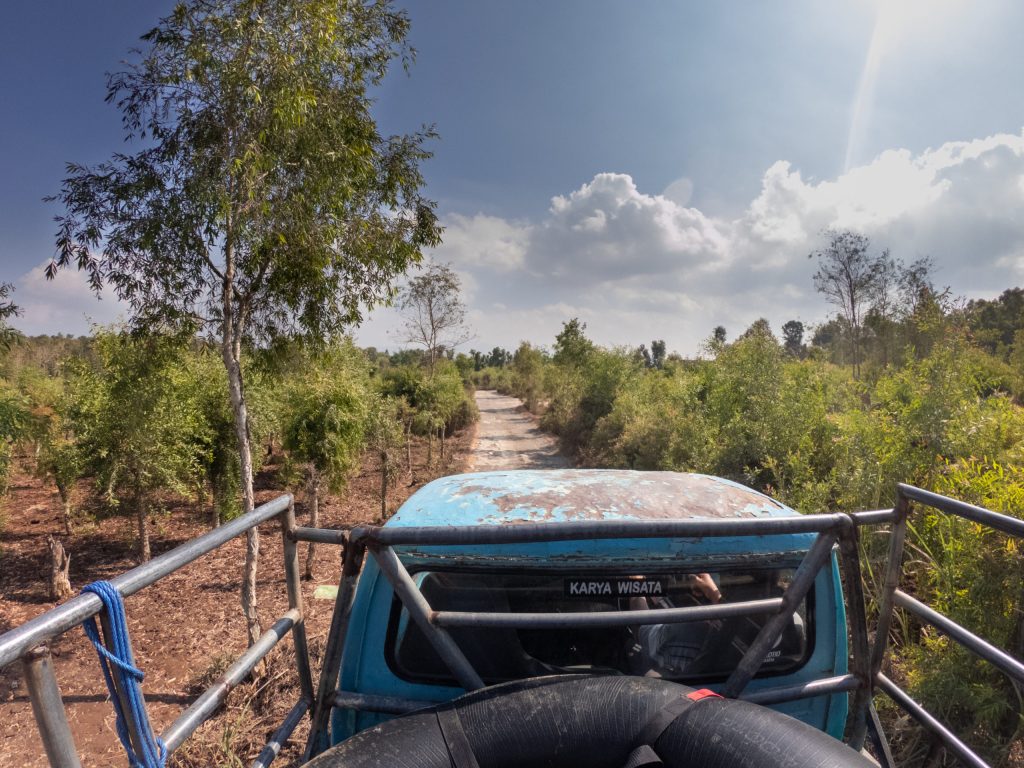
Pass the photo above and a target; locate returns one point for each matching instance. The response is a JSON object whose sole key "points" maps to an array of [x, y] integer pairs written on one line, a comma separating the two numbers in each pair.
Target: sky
{"points": [[654, 168]]}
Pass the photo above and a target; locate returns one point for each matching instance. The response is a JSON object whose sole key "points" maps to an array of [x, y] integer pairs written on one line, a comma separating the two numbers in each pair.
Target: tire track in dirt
{"points": [[508, 437]]}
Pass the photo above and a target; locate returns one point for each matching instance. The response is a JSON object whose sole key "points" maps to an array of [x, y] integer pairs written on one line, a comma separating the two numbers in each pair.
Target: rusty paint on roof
{"points": [[527, 496]]}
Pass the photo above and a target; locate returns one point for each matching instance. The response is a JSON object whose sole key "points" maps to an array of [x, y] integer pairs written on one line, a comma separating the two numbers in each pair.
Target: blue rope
{"points": [[116, 659]]}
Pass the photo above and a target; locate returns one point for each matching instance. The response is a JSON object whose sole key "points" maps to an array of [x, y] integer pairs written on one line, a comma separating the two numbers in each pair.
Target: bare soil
{"points": [[186, 628], [508, 437]]}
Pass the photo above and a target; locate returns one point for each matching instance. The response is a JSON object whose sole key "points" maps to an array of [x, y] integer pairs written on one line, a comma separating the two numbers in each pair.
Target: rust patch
{"points": [[603, 495]]}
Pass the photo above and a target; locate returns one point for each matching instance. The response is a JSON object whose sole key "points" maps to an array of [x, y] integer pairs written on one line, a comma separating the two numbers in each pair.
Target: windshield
{"points": [[689, 652]]}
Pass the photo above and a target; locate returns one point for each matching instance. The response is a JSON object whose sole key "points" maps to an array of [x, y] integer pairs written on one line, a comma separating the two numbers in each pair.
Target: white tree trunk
{"points": [[231, 351]]}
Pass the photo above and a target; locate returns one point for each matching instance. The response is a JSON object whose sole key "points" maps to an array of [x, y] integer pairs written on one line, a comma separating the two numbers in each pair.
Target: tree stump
{"points": [[60, 562]]}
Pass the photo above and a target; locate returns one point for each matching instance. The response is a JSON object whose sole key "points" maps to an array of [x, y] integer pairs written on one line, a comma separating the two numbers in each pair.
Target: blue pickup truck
{"points": [[387, 654], [486, 579]]}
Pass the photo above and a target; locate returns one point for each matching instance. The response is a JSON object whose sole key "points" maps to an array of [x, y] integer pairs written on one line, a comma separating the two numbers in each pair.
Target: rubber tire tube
{"points": [[594, 722]]}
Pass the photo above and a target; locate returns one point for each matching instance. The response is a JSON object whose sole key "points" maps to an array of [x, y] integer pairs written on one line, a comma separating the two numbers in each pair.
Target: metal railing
{"points": [[892, 597], [28, 643]]}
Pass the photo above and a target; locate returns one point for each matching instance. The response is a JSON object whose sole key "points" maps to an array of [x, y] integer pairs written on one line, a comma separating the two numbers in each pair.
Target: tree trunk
{"points": [[440, 434], [140, 513], [430, 447], [314, 521], [383, 486], [231, 352], [65, 498], [60, 562]]}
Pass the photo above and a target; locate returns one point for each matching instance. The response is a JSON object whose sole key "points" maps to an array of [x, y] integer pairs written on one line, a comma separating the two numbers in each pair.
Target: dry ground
{"points": [[508, 437], [184, 629]]}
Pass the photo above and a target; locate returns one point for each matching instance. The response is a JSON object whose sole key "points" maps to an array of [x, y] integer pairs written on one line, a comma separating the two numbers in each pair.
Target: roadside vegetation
{"points": [[910, 386]]}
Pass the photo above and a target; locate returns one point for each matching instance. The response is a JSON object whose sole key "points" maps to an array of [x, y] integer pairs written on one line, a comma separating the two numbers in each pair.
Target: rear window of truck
{"points": [[692, 652]]}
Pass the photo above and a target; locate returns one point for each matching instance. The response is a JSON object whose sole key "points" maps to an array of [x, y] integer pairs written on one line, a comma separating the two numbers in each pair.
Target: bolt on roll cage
{"points": [[27, 643]]}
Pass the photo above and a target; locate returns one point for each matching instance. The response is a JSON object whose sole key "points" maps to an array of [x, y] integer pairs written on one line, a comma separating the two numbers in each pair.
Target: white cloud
{"points": [[483, 241], [637, 266], [65, 304]]}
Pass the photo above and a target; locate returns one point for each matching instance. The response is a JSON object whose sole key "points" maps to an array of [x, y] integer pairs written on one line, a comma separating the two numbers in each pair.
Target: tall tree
{"points": [[850, 277], [658, 353], [435, 316], [572, 347], [264, 200], [793, 337]]}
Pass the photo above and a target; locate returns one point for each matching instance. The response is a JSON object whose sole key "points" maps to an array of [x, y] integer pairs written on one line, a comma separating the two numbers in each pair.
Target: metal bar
{"points": [[849, 550], [929, 721], [388, 705], [48, 708], [878, 739], [969, 640], [420, 611], [606, 618], [1000, 522], [318, 535], [873, 517], [294, 586], [892, 578], [134, 735], [596, 529], [15, 643], [827, 686], [201, 709], [351, 565], [772, 630], [272, 748]]}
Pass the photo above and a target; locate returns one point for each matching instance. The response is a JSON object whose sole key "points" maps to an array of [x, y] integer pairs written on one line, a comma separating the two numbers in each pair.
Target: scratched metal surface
{"points": [[509, 497]]}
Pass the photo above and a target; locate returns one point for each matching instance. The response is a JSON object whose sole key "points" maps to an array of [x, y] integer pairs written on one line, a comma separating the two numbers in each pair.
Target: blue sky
{"points": [[657, 168]]}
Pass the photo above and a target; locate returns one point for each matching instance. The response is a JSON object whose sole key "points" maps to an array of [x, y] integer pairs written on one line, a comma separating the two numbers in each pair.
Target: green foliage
{"points": [[527, 379], [14, 419], [974, 575], [8, 309], [324, 416], [150, 445], [656, 423], [583, 388], [385, 438], [943, 416], [572, 347]]}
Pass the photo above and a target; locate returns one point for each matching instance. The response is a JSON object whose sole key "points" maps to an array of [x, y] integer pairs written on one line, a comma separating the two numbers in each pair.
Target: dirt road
{"points": [[507, 437]]}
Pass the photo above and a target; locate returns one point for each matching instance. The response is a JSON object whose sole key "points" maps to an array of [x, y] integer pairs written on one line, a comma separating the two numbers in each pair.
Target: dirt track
{"points": [[508, 437]]}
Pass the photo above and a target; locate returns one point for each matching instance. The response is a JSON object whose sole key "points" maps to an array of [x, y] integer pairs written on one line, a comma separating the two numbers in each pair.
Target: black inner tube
{"points": [[593, 722]]}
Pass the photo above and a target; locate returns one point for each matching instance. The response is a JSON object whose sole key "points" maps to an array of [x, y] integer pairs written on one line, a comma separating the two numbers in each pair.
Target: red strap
{"points": [[667, 715], [703, 693]]}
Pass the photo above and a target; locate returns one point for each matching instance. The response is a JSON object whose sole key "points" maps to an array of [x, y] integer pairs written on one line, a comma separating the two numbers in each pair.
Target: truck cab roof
{"points": [[567, 495], [541, 497]]}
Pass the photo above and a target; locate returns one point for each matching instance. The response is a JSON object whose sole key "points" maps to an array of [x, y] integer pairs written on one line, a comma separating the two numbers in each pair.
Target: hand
{"points": [[707, 587]]}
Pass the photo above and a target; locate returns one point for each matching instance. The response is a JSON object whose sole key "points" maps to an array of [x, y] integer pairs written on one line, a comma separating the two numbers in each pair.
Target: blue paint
{"points": [[565, 495]]}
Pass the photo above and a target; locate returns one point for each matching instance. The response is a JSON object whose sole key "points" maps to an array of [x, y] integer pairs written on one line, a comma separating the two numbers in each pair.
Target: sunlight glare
{"points": [[895, 20]]}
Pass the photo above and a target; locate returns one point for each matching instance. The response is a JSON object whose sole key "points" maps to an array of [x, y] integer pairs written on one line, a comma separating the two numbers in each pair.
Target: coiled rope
{"points": [[116, 660]]}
